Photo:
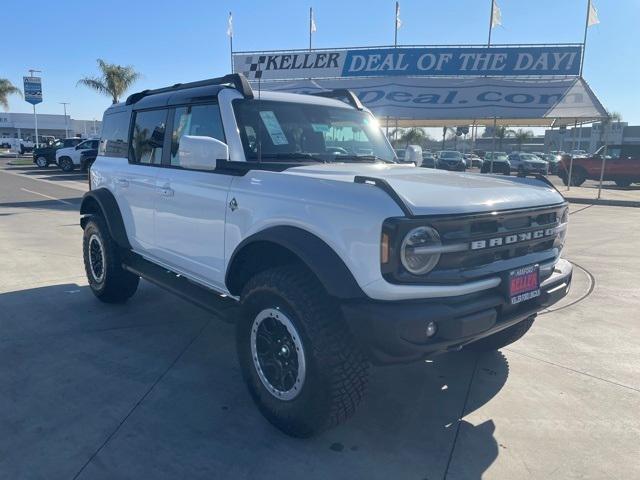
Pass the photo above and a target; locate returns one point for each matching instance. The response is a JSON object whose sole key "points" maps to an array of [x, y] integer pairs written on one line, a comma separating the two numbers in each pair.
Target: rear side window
{"points": [[115, 131], [147, 137], [197, 120]]}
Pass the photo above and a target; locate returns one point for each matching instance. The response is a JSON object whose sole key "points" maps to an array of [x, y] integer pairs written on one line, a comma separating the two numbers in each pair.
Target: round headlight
{"points": [[419, 252]]}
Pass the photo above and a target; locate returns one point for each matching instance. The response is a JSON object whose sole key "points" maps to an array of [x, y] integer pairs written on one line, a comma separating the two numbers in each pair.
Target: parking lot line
{"points": [[46, 196]]}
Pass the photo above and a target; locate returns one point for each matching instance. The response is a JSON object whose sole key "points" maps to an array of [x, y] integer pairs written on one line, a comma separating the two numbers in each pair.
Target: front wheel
{"points": [[301, 364], [42, 162], [103, 264]]}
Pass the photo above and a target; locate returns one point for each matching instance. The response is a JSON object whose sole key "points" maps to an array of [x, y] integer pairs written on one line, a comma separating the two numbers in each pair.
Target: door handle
{"points": [[165, 191], [122, 182]]}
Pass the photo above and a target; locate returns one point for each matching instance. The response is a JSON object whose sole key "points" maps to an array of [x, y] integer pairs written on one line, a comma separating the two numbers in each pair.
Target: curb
{"points": [[610, 203]]}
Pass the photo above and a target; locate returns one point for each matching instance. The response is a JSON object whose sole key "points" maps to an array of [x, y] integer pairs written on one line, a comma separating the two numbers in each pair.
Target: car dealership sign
{"points": [[553, 60], [460, 98]]}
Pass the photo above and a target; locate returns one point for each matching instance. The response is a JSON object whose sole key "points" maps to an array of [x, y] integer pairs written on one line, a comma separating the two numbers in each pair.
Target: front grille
{"points": [[469, 230], [478, 254]]}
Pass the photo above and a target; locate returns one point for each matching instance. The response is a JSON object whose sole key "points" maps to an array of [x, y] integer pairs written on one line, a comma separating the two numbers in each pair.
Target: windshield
{"points": [[302, 132], [528, 157], [451, 155]]}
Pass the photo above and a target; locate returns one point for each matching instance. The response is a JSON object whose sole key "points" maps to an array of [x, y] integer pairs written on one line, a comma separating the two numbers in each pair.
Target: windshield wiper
{"points": [[292, 156], [358, 158]]}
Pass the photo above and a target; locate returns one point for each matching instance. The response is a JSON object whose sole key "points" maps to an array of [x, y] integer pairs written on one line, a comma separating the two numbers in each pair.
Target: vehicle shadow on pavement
{"points": [[70, 203], [152, 389]]}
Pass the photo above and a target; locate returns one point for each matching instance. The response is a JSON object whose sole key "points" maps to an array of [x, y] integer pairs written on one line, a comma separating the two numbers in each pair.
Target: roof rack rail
{"points": [[342, 94], [238, 80]]}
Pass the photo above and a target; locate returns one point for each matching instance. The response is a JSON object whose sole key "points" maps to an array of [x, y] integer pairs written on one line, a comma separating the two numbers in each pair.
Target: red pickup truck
{"points": [[622, 165]]}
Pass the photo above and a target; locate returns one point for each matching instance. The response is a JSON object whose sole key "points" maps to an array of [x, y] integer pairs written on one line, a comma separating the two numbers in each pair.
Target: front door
{"points": [[191, 204]]}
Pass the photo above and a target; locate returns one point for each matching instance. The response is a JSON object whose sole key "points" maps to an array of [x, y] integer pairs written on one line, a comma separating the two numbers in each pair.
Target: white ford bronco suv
{"points": [[294, 208]]}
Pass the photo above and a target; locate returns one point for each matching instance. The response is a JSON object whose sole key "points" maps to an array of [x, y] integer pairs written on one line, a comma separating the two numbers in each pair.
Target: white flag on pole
{"points": [[593, 15], [398, 21], [496, 18], [230, 26], [313, 23]]}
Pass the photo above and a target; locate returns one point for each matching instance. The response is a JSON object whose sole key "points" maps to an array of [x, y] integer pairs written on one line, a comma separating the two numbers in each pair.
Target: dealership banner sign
{"points": [[460, 98], [32, 90], [553, 60]]}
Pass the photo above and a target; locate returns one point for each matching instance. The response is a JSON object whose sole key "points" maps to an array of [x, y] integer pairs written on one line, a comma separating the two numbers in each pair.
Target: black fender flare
{"points": [[101, 201], [313, 252]]}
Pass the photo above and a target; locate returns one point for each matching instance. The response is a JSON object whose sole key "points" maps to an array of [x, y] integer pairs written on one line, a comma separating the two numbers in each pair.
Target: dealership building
{"points": [[21, 125], [592, 137]]}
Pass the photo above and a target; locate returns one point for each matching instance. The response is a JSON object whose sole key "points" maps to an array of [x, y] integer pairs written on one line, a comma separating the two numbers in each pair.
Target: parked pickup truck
{"points": [[327, 259], [621, 165]]}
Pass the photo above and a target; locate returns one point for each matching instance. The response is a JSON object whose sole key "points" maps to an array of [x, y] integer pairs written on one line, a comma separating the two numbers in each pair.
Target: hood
{"points": [[431, 192]]}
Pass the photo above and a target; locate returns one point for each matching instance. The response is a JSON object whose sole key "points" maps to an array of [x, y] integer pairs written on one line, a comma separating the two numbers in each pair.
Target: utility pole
{"points": [[66, 121]]}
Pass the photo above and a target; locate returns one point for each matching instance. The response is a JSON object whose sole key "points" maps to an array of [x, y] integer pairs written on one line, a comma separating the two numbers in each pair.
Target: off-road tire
{"points": [[503, 338], [42, 162], [115, 285], [66, 164], [336, 369]]}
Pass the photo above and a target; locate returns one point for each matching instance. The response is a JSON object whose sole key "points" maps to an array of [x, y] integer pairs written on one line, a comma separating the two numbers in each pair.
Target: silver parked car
{"points": [[528, 164]]}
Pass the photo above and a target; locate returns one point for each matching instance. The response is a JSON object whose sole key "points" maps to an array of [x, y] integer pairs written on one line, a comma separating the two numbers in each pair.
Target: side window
{"points": [[196, 120], [148, 136], [115, 134], [94, 144]]}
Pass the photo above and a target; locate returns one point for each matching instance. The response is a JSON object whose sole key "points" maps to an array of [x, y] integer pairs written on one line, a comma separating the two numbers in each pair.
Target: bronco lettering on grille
{"points": [[511, 239]]}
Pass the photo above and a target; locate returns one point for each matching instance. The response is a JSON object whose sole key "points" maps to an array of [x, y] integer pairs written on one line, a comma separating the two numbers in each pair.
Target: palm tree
{"points": [[522, 136], [113, 81], [605, 124], [444, 134], [7, 88], [501, 133], [413, 136]]}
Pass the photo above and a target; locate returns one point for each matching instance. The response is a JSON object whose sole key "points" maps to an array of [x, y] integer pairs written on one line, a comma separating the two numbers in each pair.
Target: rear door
{"points": [[191, 204], [135, 181]]}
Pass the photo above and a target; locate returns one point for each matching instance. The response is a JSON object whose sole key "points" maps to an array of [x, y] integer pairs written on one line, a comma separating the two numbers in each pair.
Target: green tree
{"points": [[605, 125], [522, 136], [413, 136], [114, 80], [501, 133], [7, 88]]}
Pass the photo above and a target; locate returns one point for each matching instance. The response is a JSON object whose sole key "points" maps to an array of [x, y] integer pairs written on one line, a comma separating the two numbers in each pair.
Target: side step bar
{"points": [[225, 307]]}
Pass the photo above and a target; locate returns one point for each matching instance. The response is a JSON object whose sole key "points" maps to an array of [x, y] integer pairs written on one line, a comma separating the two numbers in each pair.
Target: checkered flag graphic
{"points": [[253, 67]]}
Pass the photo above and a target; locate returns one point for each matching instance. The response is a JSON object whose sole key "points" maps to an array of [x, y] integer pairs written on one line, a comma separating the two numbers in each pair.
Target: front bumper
{"points": [[536, 169], [394, 332]]}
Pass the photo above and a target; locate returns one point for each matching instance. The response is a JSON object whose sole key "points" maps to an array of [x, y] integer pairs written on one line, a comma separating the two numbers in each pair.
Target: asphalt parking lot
{"points": [[151, 389]]}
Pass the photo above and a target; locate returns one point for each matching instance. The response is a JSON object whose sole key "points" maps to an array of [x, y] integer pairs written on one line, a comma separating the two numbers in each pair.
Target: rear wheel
{"points": [[503, 338], [578, 177], [42, 162], [66, 164], [103, 264], [301, 364]]}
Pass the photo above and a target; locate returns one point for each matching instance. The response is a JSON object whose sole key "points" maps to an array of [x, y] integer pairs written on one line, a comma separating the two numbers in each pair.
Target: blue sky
{"points": [[170, 42]]}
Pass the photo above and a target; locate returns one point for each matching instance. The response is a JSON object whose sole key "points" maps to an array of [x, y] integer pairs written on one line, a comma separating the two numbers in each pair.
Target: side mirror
{"points": [[201, 153]]}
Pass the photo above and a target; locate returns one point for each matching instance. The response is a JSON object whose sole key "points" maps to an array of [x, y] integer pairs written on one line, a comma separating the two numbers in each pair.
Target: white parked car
{"points": [[69, 158], [16, 145], [229, 199]]}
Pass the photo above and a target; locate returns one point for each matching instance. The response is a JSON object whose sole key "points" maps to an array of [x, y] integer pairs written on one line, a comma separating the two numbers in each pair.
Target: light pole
{"points": [[66, 122]]}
